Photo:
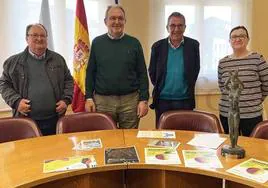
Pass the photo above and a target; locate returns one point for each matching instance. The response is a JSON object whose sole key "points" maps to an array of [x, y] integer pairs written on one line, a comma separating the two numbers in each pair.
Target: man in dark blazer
{"points": [[174, 68]]}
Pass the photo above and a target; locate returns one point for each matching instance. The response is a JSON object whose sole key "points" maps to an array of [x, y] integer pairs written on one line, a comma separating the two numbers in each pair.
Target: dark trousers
{"points": [[47, 126], [167, 105], [245, 126]]}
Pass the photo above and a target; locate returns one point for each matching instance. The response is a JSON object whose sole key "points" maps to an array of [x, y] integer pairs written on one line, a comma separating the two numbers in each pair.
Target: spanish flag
{"points": [[81, 56]]}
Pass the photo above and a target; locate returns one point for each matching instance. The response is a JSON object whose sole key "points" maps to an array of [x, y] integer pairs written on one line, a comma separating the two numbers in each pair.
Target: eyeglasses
{"points": [[238, 37], [35, 36], [119, 18], [173, 26]]}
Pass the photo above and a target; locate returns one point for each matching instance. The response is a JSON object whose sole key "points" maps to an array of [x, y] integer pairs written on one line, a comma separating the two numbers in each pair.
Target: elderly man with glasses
{"points": [[37, 83], [174, 68], [116, 79]]}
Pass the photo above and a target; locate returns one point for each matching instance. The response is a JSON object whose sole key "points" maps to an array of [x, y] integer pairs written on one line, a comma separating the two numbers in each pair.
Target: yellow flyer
{"points": [[161, 156], [253, 169], [69, 163]]}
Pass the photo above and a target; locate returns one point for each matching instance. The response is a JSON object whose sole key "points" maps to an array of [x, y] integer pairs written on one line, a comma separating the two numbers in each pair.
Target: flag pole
{"points": [[44, 19]]}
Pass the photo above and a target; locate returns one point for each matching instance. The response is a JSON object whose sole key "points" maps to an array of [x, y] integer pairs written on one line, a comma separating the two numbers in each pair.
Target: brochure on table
{"points": [[212, 141], [163, 143], [69, 163], [161, 156], [201, 159], [86, 145], [156, 134], [253, 169], [121, 155]]}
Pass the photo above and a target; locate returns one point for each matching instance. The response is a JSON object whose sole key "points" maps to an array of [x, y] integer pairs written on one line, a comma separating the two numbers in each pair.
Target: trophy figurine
{"points": [[234, 86]]}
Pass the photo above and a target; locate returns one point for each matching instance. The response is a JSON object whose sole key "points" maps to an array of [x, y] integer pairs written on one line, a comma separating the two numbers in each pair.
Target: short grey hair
{"points": [[114, 6], [176, 14], [36, 24]]}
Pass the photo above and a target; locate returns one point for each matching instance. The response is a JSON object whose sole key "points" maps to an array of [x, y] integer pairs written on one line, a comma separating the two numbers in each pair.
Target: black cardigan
{"points": [[158, 66]]}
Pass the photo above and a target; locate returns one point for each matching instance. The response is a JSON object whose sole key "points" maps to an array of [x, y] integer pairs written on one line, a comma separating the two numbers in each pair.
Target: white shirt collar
{"points": [[114, 38], [172, 46], [37, 57]]}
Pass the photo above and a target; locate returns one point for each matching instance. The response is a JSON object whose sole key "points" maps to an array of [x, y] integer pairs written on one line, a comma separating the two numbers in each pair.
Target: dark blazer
{"points": [[158, 66]]}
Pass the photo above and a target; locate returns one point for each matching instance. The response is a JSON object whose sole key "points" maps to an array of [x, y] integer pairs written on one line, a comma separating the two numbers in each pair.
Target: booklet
{"points": [[163, 143], [206, 140], [69, 163], [156, 134], [201, 159], [161, 156], [88, 144], [253, 169], [121, 155]]}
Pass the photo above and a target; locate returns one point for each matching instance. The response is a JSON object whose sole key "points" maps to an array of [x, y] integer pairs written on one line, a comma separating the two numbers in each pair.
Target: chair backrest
{"points": [[190, 120], [85, 121], [17, 128], [261, 130]]}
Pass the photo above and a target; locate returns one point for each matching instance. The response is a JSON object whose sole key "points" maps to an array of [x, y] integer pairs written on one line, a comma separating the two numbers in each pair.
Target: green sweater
{"points": [[116, 67]]}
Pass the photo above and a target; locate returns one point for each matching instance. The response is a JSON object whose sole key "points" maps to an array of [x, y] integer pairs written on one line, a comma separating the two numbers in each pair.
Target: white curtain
{"points": [[15, 15], [209, 22]]}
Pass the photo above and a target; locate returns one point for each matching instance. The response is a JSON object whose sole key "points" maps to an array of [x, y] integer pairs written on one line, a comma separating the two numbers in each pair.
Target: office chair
{"points": [[190, 120], [12, 129], [85, 121], [261, 130]]}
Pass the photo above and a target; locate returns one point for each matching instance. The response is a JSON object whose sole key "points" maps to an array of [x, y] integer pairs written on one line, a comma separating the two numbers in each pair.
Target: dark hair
{"points": [[176, 14], [31, 25], [114, 6], [239, 27]]}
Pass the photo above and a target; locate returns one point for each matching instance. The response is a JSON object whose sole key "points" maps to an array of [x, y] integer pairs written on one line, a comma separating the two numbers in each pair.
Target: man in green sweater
{"points": [[116, 78]]}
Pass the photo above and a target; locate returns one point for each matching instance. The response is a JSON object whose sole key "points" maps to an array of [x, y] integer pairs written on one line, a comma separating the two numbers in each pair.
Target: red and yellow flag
{"points": [[81, 56]]}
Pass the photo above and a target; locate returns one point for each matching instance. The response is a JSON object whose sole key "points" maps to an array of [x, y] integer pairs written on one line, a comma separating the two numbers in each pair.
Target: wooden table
{"points": [[170, 176], [21, 164]]}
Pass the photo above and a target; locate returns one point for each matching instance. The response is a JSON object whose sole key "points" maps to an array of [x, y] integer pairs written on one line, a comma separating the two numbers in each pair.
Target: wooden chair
{"points": [[17, 128], [190, 120], [261, 130], [85, 121]]}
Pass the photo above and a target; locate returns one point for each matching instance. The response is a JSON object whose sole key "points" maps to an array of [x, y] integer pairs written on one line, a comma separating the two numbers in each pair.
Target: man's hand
{"points": [[24, 107], [142, 109], [61, 107], [90, 106]]}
